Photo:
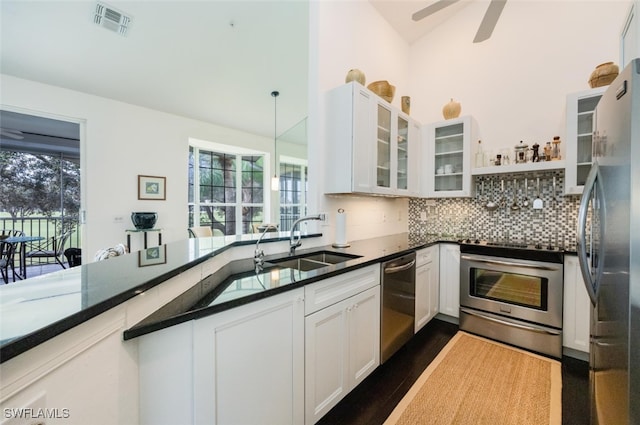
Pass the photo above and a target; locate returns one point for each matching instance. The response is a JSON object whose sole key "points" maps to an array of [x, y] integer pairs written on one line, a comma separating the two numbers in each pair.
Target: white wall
{"points": [[514, 84], [346, 35], [121, 141]]}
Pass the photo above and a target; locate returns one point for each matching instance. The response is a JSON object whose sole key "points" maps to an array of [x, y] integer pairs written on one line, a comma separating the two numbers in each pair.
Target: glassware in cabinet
{"points": [[448, 154]]}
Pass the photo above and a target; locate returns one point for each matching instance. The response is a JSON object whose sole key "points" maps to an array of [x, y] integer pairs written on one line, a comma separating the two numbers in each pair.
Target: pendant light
{"points": [[275, 182]]}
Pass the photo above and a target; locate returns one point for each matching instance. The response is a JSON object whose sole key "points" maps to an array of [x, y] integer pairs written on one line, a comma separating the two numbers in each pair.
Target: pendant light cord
{"points": [[275, 95]]}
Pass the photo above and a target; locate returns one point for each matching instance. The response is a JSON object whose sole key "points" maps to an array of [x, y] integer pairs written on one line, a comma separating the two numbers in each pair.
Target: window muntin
{"points": [[223, 193]]}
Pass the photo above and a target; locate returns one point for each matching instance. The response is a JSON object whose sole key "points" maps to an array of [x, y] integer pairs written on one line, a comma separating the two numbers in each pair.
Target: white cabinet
{"points": [[244, 365], [577, 307], [450, 279], [372, 147], [427, 285], [342, 339], [630, 36], [580, 122], [447, 156]]}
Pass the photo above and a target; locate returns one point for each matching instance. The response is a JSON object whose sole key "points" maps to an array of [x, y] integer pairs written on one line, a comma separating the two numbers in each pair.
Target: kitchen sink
{"points": [[313, 260]]}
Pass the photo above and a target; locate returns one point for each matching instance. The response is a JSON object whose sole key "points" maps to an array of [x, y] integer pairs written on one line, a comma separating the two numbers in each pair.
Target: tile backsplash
{"points": [[464, 218]]}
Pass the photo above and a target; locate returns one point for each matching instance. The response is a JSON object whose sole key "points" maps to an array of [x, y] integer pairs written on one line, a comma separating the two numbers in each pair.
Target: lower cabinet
{"points": [[241, 366], [427, 285], [450, 279], [576, 313], [342, 342]]}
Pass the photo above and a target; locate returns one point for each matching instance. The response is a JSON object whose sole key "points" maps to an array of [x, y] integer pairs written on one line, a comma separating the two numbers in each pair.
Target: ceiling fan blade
{"points": [[11, 133], [431, 9], [489, 21]]}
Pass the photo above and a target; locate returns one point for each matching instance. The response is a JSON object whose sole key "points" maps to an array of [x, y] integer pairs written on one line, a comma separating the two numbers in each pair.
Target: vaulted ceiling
{"points": [[215, 61]]}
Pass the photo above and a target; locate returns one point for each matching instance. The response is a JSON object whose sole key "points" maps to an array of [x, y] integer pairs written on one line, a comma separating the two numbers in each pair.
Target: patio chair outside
{"points": [[53, 248], [200, 232], [7, 254]]}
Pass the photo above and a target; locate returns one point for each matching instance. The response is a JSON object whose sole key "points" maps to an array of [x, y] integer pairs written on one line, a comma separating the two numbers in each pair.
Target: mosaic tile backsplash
{"points": [[465, 218]]}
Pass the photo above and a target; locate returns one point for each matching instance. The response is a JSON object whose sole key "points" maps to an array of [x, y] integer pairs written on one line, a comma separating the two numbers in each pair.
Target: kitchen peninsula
{"points": [[94, 304]]}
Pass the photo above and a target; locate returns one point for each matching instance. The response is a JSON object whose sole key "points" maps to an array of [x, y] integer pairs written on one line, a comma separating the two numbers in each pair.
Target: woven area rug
{"points": [[477, 381]]}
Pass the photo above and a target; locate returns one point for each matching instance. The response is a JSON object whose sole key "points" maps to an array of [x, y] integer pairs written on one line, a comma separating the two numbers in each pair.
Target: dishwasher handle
{"points": [[400, 268]]}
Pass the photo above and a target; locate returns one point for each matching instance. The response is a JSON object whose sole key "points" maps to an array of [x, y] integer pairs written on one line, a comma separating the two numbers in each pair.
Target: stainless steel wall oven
{"points": [[513, 295]]}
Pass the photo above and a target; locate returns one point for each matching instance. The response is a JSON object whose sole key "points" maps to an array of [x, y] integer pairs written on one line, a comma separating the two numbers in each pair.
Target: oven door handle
{"points": [[401, 268], [507, 323], [508, 263]]}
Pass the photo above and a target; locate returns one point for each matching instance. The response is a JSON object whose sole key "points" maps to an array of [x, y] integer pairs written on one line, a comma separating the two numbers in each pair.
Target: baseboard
{"points": [[576, 354]]}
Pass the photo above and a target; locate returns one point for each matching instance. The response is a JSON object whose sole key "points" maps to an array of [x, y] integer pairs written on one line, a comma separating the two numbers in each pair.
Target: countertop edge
{"points": [[142, 328], [31, 340]]}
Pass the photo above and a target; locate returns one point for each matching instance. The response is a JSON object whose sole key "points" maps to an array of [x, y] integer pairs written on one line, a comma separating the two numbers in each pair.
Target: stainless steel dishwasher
{"points": [[397, 312]]}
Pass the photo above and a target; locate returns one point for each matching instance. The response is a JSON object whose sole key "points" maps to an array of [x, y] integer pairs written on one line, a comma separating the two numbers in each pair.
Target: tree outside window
{"points": [[42, 185], [226, 191]]}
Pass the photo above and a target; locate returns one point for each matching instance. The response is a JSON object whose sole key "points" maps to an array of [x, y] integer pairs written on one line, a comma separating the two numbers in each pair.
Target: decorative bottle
{"points": [[555, 150]]}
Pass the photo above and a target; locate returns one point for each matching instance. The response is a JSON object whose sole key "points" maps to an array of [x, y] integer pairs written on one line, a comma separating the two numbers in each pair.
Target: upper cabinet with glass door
{"points": [[447, 153], [580, 119], [372, 147]]}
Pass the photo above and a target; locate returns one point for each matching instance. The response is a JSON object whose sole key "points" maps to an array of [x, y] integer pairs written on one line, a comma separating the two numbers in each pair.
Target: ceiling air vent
{"points": [[111, 19]]}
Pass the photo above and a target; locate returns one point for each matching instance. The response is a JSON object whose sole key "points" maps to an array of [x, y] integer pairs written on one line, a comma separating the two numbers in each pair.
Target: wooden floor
{"points": [[372, 401]]}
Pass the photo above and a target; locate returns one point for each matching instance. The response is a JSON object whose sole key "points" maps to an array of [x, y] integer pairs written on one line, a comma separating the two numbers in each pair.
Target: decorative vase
{"points": [[603, 75], [144, 220], [355, 75], [383, 89], [451, 110], [405, 104]]}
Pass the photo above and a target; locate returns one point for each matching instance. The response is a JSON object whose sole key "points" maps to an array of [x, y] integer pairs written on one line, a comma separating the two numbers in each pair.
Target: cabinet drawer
{"points": [[426, 255], [330, 291]]}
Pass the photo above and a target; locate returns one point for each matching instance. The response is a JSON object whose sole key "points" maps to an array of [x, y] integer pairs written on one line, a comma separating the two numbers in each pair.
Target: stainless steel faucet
{"points": [[258, 257], [293, 242]]}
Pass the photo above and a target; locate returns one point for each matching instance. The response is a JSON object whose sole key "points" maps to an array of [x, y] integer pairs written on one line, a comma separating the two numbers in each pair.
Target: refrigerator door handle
{"points": [[581, 238]]}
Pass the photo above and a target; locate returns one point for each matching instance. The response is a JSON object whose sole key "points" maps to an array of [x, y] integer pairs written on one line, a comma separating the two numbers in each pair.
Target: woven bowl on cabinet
{"points": [[603, 75], [383, 89]]}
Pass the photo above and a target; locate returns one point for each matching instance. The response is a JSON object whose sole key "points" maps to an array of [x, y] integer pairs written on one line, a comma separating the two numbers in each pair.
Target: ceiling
{"points": [[398, 13], [214, 61]]}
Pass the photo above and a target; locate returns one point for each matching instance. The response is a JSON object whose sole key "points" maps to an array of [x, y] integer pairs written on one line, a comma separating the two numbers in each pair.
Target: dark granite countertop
{"points": [[238, 284], [40, 308]]}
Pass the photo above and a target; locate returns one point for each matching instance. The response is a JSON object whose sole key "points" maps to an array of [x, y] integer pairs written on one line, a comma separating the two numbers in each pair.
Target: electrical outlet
{"points": [[399, 215], [384, 217], [423, 216], [118, 219]]}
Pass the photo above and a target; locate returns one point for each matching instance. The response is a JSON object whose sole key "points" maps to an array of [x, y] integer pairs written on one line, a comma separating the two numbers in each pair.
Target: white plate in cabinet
{"points": [[447, 154]]}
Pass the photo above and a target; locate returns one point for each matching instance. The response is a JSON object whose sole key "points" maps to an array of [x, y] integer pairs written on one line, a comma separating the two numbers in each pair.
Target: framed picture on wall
{"points": [[152, 256], [152, 187]]}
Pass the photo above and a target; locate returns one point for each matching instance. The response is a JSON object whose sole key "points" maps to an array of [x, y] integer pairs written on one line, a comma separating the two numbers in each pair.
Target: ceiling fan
{"points": [[11, 133], [486, 26]]}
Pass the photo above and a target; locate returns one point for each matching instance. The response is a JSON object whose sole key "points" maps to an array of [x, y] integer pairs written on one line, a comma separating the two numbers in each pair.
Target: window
{"points": [[293, 192], [225, 189]]}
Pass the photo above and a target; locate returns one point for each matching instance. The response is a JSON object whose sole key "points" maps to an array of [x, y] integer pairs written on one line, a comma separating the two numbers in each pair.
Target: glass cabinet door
{"points": [[383, 174], [449, 154], [586, 108], [403, 154]]}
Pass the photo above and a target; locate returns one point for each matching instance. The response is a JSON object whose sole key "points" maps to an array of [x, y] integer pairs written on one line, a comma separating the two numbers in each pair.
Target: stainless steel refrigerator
{"points": [[609, 252]]}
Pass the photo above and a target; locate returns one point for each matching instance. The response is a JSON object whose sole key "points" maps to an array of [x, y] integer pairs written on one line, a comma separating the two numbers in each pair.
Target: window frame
{"points": [[195, 204]]}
